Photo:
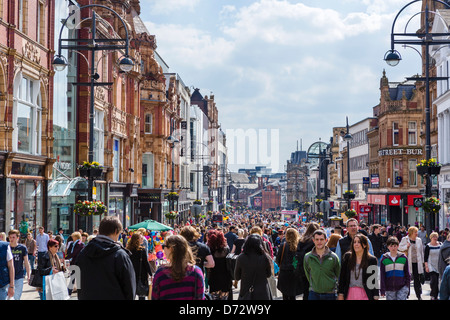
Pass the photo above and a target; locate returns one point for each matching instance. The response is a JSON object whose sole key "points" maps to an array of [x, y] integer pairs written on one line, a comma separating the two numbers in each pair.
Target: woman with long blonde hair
{"points": [[180, 279]]}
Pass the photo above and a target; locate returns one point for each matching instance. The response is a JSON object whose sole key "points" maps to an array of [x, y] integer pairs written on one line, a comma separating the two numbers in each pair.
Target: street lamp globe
{"points": [[59, 63], [348, 137], [126, 64], [392, 58]]}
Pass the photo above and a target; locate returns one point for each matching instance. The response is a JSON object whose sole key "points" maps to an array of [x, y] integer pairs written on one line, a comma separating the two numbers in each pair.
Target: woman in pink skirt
{"points": [[359, 272]]}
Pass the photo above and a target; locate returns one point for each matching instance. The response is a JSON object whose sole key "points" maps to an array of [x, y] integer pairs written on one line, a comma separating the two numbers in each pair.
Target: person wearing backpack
{"points": [[322, 269], [287, 281]]}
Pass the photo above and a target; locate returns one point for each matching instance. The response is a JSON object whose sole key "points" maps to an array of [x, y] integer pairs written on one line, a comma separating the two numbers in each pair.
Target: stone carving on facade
{"points": [[31, 52]]}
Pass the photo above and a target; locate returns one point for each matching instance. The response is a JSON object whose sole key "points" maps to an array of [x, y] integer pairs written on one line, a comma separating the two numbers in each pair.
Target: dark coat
{"points": [[344, 279], [106, 271], [254, 267], [377, 244], [288, 283], [73, 250], [141, 267]]}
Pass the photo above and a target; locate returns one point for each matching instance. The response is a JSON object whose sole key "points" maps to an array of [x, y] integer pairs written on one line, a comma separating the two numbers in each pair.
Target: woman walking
{"points": [[253, 267], [141, 265], [355, 272], [180, 279], [219, 279], [412, 244], [287, 281], [431, 258], [49, 263]]}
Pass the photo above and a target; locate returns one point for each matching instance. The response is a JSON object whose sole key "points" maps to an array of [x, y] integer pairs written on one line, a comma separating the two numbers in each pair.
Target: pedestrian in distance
{"points": [[231, 236], [377, 241], [30, 244], [322, 269], [219, 277], [356, 267], [140, 262], [253, 267], [412, 245], [75, 247], [431, 259], [394, 272], [305, 245], [106, 270], [41, 241], [3, 237], [287, 280], [20, 255], [6, 271], [62, 247], [181, 278], [49, 263], [239, 242]]}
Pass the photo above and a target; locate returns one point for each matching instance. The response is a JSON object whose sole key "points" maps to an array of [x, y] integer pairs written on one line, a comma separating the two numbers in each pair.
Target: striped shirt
{"points": [[165, 288], [431, 256]]}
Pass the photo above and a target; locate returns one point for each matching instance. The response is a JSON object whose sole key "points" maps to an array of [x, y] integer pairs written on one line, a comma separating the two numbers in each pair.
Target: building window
{"points": [[412, 133], [116, 160], [396, 171], [147, 170], [99, 134], [395, 134], [27, 116], [148, 124], [40, 21], [22, 16], [412, 164]]}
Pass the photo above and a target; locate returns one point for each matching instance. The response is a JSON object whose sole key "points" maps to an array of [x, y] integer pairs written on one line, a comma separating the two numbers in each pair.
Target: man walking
{"points": [[344, 243], [377, 241], [41, 242], [20, 258], [322, 269], [231, 236], [106, 270]]}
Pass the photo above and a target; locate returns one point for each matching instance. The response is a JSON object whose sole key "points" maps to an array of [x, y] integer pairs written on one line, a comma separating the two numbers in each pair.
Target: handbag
{"points": [[55, 287], [141, 288], [35, 278]]}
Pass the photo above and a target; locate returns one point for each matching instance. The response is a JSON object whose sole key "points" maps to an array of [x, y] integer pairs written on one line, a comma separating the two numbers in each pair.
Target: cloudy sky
{"points": [[287, 69]]}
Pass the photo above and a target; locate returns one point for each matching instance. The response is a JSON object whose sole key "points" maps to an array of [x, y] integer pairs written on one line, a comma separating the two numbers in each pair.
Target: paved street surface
{"points": [[30, 293]]}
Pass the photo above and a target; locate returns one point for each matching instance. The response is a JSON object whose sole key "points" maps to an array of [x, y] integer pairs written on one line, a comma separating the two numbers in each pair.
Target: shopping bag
{"points": [[55, 287]]}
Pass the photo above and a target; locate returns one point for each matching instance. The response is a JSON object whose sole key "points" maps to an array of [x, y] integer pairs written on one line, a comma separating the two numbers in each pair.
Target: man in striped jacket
{"points": [[394, 272]]}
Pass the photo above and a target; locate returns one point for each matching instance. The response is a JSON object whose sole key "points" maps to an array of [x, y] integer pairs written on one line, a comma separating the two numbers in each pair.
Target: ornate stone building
{"points": [[26, 95]]}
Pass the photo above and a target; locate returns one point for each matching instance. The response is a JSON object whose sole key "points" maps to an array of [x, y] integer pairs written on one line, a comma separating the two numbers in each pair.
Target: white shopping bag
{"points": [[55, 287]]}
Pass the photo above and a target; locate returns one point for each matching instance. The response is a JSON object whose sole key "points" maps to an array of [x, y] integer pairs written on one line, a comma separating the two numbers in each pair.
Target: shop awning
{"points": [[62, 187]]}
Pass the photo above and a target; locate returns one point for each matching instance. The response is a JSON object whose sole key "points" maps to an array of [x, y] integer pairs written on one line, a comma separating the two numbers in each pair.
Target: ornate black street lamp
{"points": [[425, 39]]}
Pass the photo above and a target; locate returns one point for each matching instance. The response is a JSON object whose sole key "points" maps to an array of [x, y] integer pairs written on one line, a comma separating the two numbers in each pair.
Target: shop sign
{"points": [[375, 180], [27, 169], [399, 151], [149, 197], [394, 200]]}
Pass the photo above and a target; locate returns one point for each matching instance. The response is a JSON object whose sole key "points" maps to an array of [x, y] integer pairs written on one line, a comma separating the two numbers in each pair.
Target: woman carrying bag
{"points": [[287, 281], [412, 246], [253, 267], [140, 263]]}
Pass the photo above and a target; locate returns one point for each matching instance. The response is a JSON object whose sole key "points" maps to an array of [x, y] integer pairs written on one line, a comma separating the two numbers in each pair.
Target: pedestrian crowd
{"points": [[254, 251]]}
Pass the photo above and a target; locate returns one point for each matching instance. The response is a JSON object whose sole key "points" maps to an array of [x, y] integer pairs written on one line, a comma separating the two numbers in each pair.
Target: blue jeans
{"points": [[18, 288], [321, 296], [4, 292], [31, 259]]}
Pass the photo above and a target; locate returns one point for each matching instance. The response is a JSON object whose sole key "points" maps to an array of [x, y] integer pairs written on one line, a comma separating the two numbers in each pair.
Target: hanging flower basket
{"points": [[431, 205], [89, 208], [431, 167], [209, 212], [198, 201], [349, 194], [350, 213], [171, 215], [319, 215], [172, 196], [307, 204], [90, 169], [318, 201]]}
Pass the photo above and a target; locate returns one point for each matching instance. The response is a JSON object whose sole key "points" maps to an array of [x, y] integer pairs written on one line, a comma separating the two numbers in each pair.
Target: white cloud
{"points": [[168, 6]]}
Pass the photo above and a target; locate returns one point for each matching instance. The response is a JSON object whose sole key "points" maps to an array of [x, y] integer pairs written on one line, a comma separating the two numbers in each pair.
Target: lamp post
{"points": [[348, 137], [92, 45], [392, 57], [172, 141]]}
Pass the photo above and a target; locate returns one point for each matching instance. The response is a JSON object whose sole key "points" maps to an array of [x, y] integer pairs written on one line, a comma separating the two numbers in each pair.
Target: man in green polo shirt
{"points": [[322, 268]]}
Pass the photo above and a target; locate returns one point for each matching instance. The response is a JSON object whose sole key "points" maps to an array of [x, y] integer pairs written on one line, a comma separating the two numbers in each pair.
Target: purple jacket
{"points": [[393, 275]]}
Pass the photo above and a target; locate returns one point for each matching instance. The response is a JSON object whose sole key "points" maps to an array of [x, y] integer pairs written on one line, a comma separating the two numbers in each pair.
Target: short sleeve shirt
{"points": [[18, 253]]}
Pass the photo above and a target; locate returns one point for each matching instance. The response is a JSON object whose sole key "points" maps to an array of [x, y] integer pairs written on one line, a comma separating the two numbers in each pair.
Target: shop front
{"points": [[444, 196], [122, 201], [152, 204], [379, 208]]}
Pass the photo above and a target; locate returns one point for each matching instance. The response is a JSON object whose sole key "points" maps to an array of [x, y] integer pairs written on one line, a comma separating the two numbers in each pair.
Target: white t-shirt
{"points": [[9, 255]]}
